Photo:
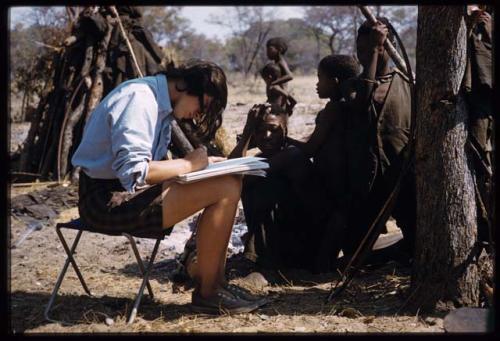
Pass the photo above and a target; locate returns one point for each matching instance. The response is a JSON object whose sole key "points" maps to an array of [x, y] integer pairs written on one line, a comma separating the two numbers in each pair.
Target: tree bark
{"points": [[331, 41], [444, 266], [100, 63]]}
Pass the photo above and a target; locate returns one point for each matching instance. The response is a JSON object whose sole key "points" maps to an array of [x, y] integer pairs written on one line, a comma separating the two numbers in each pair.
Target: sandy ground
{"points": [[372, 303]]}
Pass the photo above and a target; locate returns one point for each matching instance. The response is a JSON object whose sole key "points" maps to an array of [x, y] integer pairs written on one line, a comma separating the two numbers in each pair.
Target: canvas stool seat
{"points": [[77, 224]]}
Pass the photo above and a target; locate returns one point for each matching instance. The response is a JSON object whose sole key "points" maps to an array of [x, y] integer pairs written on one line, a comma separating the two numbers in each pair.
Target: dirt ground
{"points": [[371, 304]]}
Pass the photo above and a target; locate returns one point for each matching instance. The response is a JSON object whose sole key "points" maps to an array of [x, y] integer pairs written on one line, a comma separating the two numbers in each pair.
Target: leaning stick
{"points": [[391, 50], [347, 276], [127, 41], [177, 134]]}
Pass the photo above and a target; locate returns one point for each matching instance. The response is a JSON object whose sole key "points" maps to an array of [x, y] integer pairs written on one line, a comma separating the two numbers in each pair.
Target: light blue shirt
{"points": [[130, 127]]}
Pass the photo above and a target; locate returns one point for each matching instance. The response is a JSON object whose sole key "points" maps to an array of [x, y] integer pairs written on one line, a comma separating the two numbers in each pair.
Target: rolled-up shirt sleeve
{"points": [[133, 119]]}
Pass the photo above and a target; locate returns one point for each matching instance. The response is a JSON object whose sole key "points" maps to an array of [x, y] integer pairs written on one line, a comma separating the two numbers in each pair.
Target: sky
{"points": [[197, 15]]}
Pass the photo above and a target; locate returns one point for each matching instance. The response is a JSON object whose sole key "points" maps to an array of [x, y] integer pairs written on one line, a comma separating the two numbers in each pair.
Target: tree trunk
{"points": [[444, 266], [331, 41], [317, 37], [262, 37]]}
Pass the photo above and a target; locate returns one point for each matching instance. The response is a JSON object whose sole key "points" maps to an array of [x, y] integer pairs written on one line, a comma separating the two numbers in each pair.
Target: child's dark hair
{"points": [[203, 77], [271, 69], [341, 66], [278, 43], [365, 29]]}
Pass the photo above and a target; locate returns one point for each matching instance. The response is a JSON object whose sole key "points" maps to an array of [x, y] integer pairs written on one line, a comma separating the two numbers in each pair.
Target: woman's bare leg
{"points": [[219, 198]]}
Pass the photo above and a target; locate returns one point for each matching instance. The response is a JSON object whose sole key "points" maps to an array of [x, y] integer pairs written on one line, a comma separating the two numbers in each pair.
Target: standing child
{"points": [[276, 94], [276, 48]]}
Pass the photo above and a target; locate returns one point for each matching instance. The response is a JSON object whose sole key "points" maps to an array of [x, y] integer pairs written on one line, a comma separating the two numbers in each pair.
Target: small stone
{"points": [[369, 319], [264, 317], [255, 280], [299, 329], [469, 320], [109, 321], [38, 283], [430, 320], [350, 313]]}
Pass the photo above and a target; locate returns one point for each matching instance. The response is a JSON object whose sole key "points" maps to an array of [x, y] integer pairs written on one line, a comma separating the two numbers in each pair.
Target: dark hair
{"points": [[271, 69], [366, 27], [203, 77], [273, 109], [132, 11], [279, 43], [341, 66]]}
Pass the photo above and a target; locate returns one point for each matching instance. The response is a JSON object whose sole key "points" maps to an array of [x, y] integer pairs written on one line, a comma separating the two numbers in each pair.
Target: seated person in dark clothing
{"points": [[318, 190], [377, 139], [276, 94], [278, 224], [274, 210], [327, 147]]}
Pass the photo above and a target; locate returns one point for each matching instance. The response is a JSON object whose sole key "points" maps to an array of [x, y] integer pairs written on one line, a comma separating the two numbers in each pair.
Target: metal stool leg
{"points": [[60, 278], [72, 260], [133, 313], [139, 260]]}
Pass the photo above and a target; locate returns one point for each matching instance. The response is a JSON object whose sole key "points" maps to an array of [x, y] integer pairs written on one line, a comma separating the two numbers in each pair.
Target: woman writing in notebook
{"points": [[126, 182]]}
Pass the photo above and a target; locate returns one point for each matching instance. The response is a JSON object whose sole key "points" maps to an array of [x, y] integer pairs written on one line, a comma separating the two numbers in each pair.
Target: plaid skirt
{"points": [[106, 206]]}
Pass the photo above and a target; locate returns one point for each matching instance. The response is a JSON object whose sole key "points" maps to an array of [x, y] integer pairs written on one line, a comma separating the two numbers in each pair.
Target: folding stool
{"points": [[78, 225]]}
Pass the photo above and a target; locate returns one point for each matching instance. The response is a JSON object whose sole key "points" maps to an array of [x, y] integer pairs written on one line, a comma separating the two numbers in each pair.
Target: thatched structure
{"points": [[102, 51]]}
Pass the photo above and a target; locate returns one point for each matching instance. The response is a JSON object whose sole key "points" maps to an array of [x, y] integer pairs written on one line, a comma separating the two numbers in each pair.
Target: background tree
{"points": [[404, 20], [250, 27], [336, 21], [33, 44], [303, 53], [340, 25], [167, 25], [201, 47], [446, 235]]}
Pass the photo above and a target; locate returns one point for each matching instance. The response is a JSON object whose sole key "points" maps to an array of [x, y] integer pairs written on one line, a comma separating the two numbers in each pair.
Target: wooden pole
{"points": [[391, 50], [127, 41], [178, 135]]}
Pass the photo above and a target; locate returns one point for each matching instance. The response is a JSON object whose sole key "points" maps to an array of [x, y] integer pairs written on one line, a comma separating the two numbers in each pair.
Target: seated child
{"points": [[334, 75], [276, 94], [327, 147]]}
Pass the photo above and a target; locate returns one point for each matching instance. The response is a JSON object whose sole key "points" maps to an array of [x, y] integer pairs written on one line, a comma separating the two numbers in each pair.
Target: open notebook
{"points": [[248, 165]]}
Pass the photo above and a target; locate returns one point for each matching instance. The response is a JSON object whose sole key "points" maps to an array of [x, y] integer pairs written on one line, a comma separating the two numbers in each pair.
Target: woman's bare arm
{"points": [[160, 171]]}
